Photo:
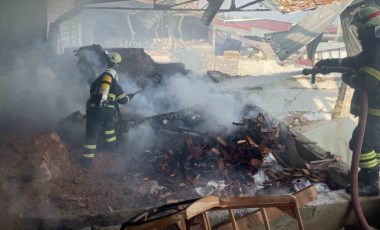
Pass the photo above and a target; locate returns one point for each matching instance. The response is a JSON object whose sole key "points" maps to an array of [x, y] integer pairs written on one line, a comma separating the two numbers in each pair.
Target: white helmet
{"points": [[114, 57], [113, 73]]}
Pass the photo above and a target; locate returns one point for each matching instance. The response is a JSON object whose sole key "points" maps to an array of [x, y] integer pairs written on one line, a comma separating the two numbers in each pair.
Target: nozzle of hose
{"points": [[307, 71], [312, 71]]}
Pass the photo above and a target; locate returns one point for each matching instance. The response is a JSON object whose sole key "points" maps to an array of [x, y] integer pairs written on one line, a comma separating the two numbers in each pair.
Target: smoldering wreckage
{"points": [[161, 159]]}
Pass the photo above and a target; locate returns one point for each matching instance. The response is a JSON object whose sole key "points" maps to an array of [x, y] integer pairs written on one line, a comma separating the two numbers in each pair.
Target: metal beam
{"points": [[85, 2], [167, 9], [183, 3], [249, 4], [69, 14]]}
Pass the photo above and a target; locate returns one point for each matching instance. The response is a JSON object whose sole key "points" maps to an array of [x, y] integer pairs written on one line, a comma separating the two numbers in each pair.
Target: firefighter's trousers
{"points": [[97, 120], [370, 152]]}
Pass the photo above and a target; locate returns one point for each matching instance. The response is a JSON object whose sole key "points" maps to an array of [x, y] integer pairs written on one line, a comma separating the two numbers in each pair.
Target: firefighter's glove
{"points": [[130, 96], [326, 63]]}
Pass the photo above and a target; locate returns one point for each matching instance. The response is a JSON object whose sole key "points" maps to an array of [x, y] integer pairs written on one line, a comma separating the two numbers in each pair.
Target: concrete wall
{"points": [[330, 211]]}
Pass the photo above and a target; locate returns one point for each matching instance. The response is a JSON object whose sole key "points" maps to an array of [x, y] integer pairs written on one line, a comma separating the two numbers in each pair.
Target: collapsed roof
{"points": [[309, 28], [284, 44]]}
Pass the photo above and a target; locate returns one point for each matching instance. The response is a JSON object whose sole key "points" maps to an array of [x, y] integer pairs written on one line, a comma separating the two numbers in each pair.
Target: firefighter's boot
{"points": [[85, 162], [368, 182]]}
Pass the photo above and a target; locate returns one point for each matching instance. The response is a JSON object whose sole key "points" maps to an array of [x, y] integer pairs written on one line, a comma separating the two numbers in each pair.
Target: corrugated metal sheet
{"points": [[253, 27], [330, 46], [285, 44], [262, 24]]}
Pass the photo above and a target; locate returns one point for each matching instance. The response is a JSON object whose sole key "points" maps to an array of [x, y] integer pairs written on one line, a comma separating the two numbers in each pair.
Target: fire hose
{"points": [[359, 142]]}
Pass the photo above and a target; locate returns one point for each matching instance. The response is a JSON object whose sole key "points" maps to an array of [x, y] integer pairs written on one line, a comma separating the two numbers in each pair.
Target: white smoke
{"points": [[221, 107], [35, 93]]}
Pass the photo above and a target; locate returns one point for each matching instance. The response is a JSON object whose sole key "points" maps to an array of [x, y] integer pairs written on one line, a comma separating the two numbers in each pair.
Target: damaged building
{"points": [[227, 125]]}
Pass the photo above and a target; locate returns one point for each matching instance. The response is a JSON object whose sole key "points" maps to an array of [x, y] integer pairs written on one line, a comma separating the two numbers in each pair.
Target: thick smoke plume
{"points": [[39, 89]]}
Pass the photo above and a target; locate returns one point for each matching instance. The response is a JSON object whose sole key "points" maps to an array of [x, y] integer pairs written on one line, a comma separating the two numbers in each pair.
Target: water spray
{"points": [[236, 83]]}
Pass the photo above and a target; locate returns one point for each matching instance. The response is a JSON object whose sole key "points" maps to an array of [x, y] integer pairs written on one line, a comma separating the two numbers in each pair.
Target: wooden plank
{"points": [[233, 220], [258, 201], [297, 214], [306, 195], [204, 222], [240, 142], [254, 219], [252, 142], [215, 151], [202, 205], [181, 225], [176, 218], [222, 141], [265, 218]]}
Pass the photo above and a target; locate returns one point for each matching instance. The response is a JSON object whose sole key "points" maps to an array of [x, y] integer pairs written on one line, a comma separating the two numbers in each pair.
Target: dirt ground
{"points": [[40, 178]]}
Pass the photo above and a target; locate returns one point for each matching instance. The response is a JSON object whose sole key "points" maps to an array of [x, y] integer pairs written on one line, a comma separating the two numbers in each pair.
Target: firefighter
{"points": [[364, 73], [105, 95]]}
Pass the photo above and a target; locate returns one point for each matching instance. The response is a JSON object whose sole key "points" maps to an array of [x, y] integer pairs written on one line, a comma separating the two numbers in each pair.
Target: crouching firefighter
{"points": [[364, 74], [105, 95]]}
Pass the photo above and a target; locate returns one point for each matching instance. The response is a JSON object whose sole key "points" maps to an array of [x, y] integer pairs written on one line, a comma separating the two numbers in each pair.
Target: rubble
{"points": [[240, 163], [295, 119], [287, 6], [42, 177]]}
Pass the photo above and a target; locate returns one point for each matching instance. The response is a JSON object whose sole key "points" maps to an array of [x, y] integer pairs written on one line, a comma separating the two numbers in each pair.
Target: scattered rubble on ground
{"points": [[295, 119], [43, 178]]}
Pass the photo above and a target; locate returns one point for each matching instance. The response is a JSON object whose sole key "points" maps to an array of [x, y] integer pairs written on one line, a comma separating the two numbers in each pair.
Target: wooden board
{"points": [[255, 220]]}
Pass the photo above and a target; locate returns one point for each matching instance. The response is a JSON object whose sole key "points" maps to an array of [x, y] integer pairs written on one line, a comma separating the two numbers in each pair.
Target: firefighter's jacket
{"points": [[365, 75], [115, 95]]}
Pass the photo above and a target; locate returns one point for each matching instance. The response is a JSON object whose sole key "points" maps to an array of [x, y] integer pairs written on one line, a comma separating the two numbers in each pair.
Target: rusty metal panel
{"points": [[286, 6]]}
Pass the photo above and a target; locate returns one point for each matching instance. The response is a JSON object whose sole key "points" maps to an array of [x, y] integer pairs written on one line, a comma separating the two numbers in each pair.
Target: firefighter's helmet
{"points": [[367, 16], [114, 57]]}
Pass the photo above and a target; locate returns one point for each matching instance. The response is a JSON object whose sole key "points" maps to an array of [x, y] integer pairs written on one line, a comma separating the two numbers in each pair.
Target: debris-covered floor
{"points": [[183, 136], [41, 177]]}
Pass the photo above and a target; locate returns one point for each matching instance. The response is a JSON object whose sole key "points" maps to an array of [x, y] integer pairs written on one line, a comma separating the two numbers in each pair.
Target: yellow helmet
{"points": [[367, 16], [114, 57]]}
